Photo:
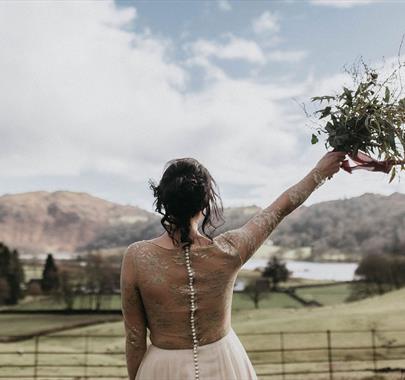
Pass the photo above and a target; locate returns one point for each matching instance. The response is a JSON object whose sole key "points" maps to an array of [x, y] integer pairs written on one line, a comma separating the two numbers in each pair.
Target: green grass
{"points": [[22, 324], [273, 300], [80, 302], [326, 295], [380, 312]]}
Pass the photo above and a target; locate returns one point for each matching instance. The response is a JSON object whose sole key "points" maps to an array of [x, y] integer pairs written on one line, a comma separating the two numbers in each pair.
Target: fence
{"points": [[311, 355]]}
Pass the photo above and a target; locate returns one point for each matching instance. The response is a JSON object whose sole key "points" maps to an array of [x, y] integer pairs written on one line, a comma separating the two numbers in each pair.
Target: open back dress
{"points": [[185, 300]]}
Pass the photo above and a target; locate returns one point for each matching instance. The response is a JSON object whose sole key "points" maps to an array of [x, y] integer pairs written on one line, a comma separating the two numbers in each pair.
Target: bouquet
{"points": [[366, 120]]}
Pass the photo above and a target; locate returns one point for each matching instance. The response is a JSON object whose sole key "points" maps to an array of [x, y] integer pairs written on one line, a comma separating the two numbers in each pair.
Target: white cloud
{"points": [[98, 98], [211, 71], [342, 3], [83, 95], [224, 5], [291, 56], [234, 48], [266, 22]]}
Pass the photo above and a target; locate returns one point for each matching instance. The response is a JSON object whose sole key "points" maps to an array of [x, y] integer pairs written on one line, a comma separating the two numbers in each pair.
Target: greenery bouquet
{"points": [[366, 120]]}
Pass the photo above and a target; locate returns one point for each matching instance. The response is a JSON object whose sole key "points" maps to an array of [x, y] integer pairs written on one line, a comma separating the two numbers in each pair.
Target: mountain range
{"points": [[65, 221]]}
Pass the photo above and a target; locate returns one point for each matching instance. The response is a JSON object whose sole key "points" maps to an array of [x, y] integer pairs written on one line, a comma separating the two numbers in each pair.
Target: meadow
{"points": [[258, 329]]}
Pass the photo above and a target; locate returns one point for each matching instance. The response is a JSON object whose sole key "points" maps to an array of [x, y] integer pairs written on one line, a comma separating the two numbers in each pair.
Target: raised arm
{"points": [[133, 313], [247, 239]]}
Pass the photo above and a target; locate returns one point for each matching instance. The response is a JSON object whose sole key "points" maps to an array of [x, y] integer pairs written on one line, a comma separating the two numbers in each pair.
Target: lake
{"points": [[302, 269], [312, 270]]}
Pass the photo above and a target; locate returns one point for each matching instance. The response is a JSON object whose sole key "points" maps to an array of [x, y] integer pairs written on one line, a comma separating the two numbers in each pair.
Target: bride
{"points": [[179, 286]]}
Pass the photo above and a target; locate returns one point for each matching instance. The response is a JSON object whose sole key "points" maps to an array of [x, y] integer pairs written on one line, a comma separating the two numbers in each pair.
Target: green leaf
{"points": [[387, 95], [391, 140], [322, 98], [348, 95], [394, 169], [314, 139], [325, 112], [329, 127], [367, 121]]}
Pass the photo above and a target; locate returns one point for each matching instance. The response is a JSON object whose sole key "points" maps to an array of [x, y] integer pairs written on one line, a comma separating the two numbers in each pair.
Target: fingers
{"points": [[340, 154], [339, 151]]}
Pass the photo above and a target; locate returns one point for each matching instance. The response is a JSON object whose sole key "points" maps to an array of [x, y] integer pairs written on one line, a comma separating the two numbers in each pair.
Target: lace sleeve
{"points": [[133, 313], [247, 239]]}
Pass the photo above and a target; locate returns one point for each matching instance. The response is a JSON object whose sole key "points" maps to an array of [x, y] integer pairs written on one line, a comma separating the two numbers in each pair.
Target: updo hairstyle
{"points": [[185, 189]]}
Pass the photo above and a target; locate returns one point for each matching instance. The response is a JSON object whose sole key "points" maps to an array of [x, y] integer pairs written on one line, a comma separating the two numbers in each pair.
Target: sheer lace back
{"points": [[166, 295]]}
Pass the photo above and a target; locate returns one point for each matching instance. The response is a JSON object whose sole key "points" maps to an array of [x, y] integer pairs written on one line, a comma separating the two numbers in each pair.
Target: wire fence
{"points": [[331, 355]]}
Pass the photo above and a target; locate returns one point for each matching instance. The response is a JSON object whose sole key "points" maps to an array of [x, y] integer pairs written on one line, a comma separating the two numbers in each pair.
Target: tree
{"points": [[16, 277], [12, 275], [378, 273], [256, 290], [101, 277], [277, 271], [66, 290], [4, 290], [50, 275]]}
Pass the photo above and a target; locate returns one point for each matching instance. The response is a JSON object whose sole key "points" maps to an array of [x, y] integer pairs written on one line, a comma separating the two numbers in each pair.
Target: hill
{"points": [[371, 223], [60, 221], [65, 221], [378, 312]]}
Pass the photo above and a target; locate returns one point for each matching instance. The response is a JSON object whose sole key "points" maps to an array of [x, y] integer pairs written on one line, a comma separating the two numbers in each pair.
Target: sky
{"points": [[96, 96]]}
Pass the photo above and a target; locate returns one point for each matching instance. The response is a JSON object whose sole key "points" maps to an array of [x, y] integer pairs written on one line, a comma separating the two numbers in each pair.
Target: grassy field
{"points": [[326, 295], [240, 302], [80, 302], [23, 324], [381, 313]]}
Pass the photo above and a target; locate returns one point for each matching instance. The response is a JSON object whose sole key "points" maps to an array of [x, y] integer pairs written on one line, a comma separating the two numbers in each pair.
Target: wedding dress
{"points": [[185, 303]]}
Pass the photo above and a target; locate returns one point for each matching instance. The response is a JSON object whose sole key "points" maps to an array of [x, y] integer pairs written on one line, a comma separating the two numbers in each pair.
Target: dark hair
{"points": [[186, 188]]}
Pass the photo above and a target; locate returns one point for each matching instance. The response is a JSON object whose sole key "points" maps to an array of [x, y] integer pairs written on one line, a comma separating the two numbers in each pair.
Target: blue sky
{"points": [[332, 35], [98, 96]]}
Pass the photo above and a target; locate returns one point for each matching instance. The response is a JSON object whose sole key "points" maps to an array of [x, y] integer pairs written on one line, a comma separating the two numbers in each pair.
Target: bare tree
{"points": [[257, 290]]}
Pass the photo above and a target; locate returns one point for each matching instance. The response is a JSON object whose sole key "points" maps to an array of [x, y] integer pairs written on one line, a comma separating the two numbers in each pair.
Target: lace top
{"points": [[155, 292]]}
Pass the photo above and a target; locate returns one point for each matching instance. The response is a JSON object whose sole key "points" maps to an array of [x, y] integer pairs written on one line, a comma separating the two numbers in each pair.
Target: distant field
{"points": [[239, 302], [32, 271], [381, 313], [326, 295], [21, 324], [80, 302]]}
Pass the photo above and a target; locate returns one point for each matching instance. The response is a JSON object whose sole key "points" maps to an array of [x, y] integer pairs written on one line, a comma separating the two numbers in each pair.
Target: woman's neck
{"points": [[195, 235]]}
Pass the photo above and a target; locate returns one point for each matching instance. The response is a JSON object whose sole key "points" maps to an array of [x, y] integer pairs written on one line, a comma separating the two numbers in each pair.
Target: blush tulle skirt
{"points": [[225, 359]]}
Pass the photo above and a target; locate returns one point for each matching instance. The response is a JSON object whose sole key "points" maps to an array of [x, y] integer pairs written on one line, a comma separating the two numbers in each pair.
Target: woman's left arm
{"points": [[133, 313]]}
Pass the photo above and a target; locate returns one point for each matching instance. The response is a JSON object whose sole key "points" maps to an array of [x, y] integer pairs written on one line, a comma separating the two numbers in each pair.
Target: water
{"points": [[301, 269], [312, 270]]}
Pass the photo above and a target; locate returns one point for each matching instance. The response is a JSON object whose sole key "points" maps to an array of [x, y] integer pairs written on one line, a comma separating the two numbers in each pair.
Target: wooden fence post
{"points": [[282, 355], [328, 335], [86, 351], [36, 340], [374, 350]]}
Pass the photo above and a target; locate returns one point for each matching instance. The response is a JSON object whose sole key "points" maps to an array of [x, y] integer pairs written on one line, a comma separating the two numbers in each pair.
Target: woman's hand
{"points": [[330, 163]]}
